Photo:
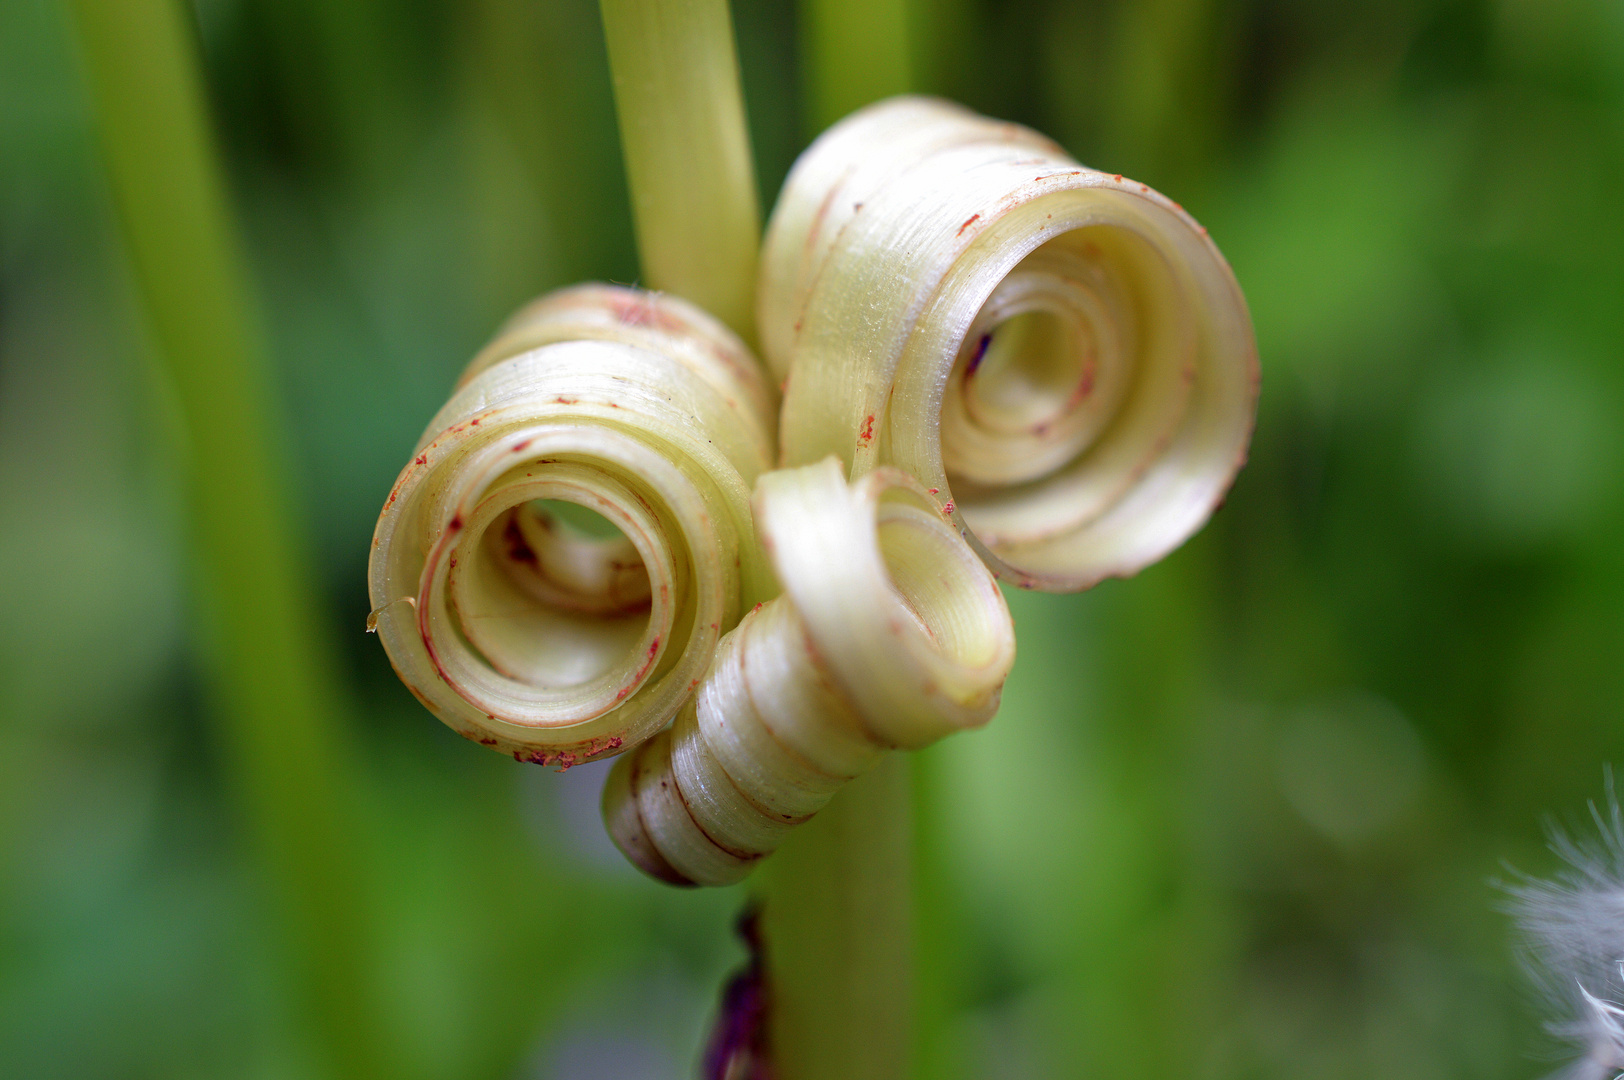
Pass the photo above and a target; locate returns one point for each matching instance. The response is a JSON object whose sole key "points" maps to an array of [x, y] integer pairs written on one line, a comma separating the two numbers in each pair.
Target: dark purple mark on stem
{"points": [[737, 1048], [981, 354]]}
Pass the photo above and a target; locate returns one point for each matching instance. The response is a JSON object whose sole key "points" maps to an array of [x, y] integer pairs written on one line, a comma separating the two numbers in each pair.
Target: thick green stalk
{"points": [[276, 695], [837, 900], [687, 150], [853, 52], [835, 914]]}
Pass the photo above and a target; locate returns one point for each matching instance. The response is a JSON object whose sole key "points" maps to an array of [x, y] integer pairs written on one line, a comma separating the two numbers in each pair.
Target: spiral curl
{"points": [[890, 634], [1061, 353], [525, 633], [995, 362]]}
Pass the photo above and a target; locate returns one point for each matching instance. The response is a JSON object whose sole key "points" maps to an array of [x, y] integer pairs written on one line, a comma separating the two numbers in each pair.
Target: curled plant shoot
{"points": [[1061, 353], [572, 535], [996, 361], [889, 634]]}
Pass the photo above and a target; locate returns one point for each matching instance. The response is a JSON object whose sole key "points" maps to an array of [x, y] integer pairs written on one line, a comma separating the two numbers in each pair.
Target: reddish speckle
{"points": [[1144, 187], [453, 562], [868, 429], [934, 491], [1084, 387], [947, 508], [474, 422], [421, 459], [756, 608], [638, 311], [653, 648], [519, 448], [456, 523], [562, 400], [969, 221], [1117, 177], [487, 742], [518, 755], [518, 548]]}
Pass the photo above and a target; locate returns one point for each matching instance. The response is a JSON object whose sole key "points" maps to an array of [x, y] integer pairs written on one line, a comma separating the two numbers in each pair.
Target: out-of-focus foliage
{"points": [[1238, 817]]}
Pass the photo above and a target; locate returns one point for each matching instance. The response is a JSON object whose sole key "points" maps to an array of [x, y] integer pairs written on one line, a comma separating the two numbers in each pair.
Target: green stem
{"points": [[837, 899], [836, 919], [687, 151], [278, 699]]}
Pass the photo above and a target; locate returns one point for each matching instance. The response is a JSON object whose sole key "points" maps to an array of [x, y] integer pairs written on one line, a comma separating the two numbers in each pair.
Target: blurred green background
{"points": [[1239, 817]]}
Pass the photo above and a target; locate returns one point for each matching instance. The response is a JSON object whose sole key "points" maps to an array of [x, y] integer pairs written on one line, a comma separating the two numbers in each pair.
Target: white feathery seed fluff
{"points": [[1573, 931]]}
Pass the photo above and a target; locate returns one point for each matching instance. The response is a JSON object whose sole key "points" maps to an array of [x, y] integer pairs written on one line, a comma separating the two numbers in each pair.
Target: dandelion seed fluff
{"points": [[1573, 930]]}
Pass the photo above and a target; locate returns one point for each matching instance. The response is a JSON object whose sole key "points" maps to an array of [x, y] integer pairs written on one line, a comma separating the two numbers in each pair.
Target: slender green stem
{"points": [[853, 52], [687, 150], [277, 697]]}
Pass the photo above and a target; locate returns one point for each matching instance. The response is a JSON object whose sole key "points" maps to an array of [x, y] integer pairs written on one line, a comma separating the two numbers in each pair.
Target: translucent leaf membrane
{"points": [[553, 569], [889, 634], [1061, 354]]}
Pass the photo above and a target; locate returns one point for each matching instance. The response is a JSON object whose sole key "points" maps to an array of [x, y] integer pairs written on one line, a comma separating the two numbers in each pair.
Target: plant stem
{"points": [[687, 151], [276, 695], [835, 916], [853, 52], [837, 900]]}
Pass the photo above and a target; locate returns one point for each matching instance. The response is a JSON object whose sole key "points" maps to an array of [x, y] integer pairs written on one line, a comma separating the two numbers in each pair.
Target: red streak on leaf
{"points": [[969, 221], [868, 429]]}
